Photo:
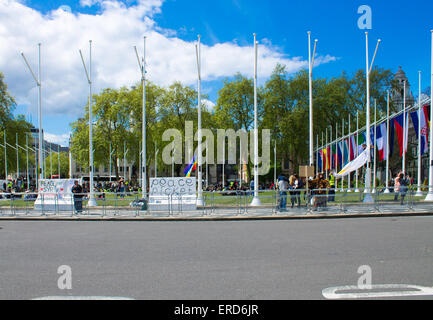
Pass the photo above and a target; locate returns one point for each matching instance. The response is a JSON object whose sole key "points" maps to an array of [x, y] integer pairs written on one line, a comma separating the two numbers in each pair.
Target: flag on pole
{"points": [[191, 167], [353, 147], [328, 160], [398, 123], [354, 165], [346, 151], [381, 141], [424, 128], [361, 141], [325, 158]]}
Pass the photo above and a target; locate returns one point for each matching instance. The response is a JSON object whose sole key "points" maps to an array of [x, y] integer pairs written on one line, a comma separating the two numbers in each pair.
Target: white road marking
{"points": [[408, 291], [82, 298]]}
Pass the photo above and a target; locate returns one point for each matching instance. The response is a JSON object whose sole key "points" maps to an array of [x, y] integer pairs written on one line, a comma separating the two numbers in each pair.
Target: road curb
{"points": [[216, 218]]}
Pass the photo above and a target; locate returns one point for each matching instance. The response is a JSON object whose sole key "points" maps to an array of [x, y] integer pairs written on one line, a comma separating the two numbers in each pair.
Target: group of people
{"points": [[294, 185]]}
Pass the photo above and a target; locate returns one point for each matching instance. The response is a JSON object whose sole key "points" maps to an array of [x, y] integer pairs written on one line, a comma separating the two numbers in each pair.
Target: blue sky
{"points": [[281, 27]]}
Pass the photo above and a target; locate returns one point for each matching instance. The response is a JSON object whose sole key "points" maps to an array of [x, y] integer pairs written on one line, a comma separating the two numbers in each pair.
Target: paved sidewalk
{"points": [[251, 214]]}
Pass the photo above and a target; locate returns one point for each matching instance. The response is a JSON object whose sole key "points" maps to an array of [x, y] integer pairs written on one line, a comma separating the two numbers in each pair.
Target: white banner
{"points": [[173, 194], [354, 165], [55, 194]]}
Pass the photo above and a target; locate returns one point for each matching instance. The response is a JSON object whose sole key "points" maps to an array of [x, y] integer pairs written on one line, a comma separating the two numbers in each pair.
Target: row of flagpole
{"points": [[256, 200], [376, 123], [26, 149]]}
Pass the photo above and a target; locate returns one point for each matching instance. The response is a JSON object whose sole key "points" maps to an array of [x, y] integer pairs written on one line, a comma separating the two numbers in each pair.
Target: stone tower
{"points": [[398, 93]]}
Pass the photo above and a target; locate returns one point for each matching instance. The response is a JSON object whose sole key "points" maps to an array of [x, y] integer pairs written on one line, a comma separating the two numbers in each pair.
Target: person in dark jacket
{"points": [[77, 190]]}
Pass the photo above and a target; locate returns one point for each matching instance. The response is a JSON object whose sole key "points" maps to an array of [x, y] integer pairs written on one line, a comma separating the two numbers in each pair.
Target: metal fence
{"points": [[222, 204]]}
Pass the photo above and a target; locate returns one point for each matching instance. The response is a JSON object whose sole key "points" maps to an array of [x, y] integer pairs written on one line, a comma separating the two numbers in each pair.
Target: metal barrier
{"points": [[223, 203]]}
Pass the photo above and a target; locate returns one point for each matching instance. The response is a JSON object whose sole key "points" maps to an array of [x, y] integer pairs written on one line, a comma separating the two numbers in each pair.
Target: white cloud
{"points": [[114, 32], [62, 139]]}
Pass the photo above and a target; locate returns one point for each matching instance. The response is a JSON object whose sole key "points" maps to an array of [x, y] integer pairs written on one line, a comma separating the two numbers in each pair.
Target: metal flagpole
{"points": [[207, 168], [156, 162], [374, 146], [326, 160], [368, 198], [200, 201], [58, 157], [18, 160], [6, 158], [317, 155], [419, 192], [27, 160], [342, 154], [310, 84], [404, 128], [109, 164], [336, 156], [256, 199], [356, 151], [349, 144], [224, 162], [275, 163], [322, 154], [143, 166], [240, 163], [172, 162], [387, 144], [51, 164], [38, 81], [92, 201], [430, 181]]}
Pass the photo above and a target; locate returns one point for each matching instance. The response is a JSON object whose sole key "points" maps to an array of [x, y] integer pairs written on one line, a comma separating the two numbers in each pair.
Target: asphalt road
{"points": [[212, 260]]}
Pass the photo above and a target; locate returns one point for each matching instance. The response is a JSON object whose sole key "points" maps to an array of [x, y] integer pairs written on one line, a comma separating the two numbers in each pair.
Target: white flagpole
{"points": [[419, 192], [27, 159], [6, 157], [342, 154], [323, 161], [200, 201], [207, 167], [374, 146], [368, 198], [326, 159], [58, 158], [224, 162], [356, 152], [143, 158], [387, 144], [256, 199], [404, 129], [275, 164], [317, 155], [18, 160], [349, 175], [336, 155], [430, 191], [92, 201], [310, 85]]}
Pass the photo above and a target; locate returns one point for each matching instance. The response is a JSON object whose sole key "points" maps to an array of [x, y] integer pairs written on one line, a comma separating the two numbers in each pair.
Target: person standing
{"points": [[397, 185], [282, 187], [332, 187], [298, 187], [77, 190]]}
